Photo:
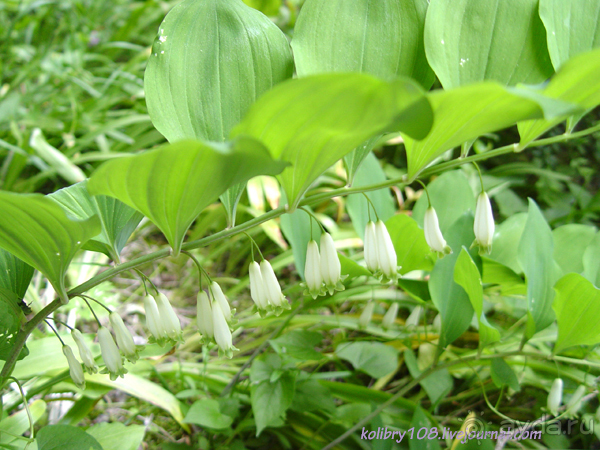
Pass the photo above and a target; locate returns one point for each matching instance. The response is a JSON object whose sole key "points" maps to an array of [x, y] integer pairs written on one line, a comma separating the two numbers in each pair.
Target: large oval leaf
{"points": [[572, 27], [15, 275], [313, 122], [381, 37], [472, 40], [209, 63], [36, 230], [174, 183]]}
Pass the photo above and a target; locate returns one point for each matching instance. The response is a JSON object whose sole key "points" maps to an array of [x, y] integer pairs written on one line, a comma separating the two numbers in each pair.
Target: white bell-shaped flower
{"points": [[219, 297], [433, 234], [204, 317], [555, 396], [153, 322], [370, 244], [414, 317], [331, 268], [123, 337], [169, 320], [222, 332], [271, 287], [390, 316], [75, 369], [312, 270], [574, 403], [365, 318], [110, 354], [386, 254], [484, 224], [257, 287], [84, 352]]}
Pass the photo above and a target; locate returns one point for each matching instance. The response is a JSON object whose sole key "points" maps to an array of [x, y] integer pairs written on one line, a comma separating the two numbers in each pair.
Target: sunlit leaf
{"points": [[207, 413], [437, 385], [412, 250], [570, 244], [373, 358], [36, 230], [467, 41], [171, 185], [313, 122], [65, 437], [116, 436]]}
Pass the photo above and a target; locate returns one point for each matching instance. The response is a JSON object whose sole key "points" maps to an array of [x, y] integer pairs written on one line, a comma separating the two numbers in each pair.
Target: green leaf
{"points": [[171, 185], [381, 37], [450, 298], [466, 274], [503, 375], [210, 61], [467, 41], [467, 112], [571, 28], [354, 159], [206, 413], [36, 230], [10, 323], [55, 158], [230, 200], [437, 385], [412, 250], [18, 422], [535, 257], [15, 275], [577, 305], [299, 344], [570, 243], [451, 196], [268, 7], [352, 268], [373, 358], [420, 420], [358, 208], [117, 219], [591, 261], [65, 437], [577, 82], [312, 396], [506, 242], [116, 436], [313, 122]]}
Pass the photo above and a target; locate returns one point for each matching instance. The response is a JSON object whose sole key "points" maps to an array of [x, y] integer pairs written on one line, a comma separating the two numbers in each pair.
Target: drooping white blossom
{"points": [[386, 254], [433, 234], [168, 319], [110, 354], [257, 287], [271, 287], [153, 322], [390, 316], [555, 396], [222, 332], [312, 270], [331, 268], [574, 403], [75, 370], [370, 244], [84, 352], [123, 337], [365, 318], [204, 317], [413, 318], [219, 297], [484, 224]]}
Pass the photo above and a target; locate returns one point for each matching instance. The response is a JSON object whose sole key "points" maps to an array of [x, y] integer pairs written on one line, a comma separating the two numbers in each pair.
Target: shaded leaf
{"points": [[15, 275], [299, 344], [10, 323], [65, 437], [503, 375], [18, 422], [171, 185], [591, 261], [230, 200], [116, 436], [373, 358], [419, 421], [207, 413], [353, 160], [312, 396], [570, 244], [437, 385], [412, 250]]}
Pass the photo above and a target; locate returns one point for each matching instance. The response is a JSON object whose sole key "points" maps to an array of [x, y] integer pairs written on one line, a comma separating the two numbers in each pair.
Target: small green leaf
{"points": [[65, 437], [536, 247], [352, 268], [412, 250], [18, 422], [506, 242], [571, 28], [437, 385], [315, 121], [36, 230], [577, 305], [503, 375], [171, 185], [312, 396], [15, 275], [299, 344], [353, 160], [230, 200], [373, 358], [118, 220], [466, 274], [358, 208], [206, 413], [419, 421], [10, 323], [381, 37], [210, 61], [591, 261], [116, 436], [467, 41], [570, 244]]}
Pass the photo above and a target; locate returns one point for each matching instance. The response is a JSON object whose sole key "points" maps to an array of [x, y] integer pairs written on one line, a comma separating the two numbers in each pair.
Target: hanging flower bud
{"points": [[574, 403], [217, 294], [312, 270], [555, 396], [204, 317], [370, 244], [75, 369], [433, 235], [331, 269], [413, 319], [222, 332], [390, 316], [437, 323], [153, 322], [169, 320], [271, 287], [365, 318], [123, 337], [110, 355], [386, 254], [84, 352], [484, 224], [426, 355], [257, 287]]}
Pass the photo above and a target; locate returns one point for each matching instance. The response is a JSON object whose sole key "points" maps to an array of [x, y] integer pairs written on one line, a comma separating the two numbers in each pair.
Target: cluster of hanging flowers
{"points": [[322, 269], [215, 319]]}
